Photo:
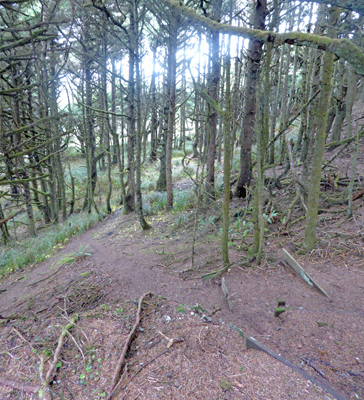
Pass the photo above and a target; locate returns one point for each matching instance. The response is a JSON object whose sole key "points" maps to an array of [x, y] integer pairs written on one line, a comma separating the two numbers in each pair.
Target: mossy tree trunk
{"points": [[138, 166], [153, 99], [213, 92], [227, 162], [309, 239], [171, 90]]}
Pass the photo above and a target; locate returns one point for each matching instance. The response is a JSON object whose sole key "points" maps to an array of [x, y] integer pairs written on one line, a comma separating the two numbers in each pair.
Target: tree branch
{"points": [[343, 48]]}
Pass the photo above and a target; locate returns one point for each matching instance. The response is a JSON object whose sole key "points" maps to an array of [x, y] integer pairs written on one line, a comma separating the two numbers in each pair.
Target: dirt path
{"points": [[323, 337]]}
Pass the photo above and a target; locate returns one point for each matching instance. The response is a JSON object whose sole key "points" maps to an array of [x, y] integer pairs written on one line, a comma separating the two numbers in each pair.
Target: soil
{"points": [[322, 336], [190, 341]]}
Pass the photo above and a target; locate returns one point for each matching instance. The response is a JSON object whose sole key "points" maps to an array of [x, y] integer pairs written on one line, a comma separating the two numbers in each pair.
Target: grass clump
{"points": [[18, 255]]}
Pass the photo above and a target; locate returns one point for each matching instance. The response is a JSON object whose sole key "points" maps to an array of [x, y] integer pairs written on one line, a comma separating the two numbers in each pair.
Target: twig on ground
{"points": [[169, 340], [23, 387], [119, 383], [309, 363], [127, 343], [145, 365], [59, 347], [47, 277]]}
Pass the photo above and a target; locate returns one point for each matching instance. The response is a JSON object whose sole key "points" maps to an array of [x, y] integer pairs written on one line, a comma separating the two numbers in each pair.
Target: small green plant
{"points": [[209, 221], [119, 312], [247, 227], [269, 217], [182, 219], [181, 309], [75, 256], [199, 309]]}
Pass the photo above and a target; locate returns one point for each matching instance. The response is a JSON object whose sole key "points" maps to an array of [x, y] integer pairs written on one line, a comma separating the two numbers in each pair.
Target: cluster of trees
{"points": [[225, 73]]}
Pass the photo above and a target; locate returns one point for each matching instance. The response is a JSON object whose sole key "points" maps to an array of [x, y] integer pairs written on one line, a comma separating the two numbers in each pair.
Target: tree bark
{"points": [[322, 114], [255, 51]]}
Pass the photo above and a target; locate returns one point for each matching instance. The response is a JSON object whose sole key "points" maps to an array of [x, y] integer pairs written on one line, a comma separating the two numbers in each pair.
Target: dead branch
{"points": [[59, 347], [24, 387], [12, 216], [358, 195], [119, 383], [169, 340], [309, 363], [127, 343], [142, 367]]}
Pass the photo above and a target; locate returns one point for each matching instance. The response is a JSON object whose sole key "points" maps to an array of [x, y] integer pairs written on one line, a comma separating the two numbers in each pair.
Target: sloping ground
{"points": [[205, 361], [209, 360]]}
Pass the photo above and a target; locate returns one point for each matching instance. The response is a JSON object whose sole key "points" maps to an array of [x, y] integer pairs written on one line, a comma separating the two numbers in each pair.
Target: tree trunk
{"points": [[255, 50], [129, 204], [172, 50], [322, 114], [213, 91]]}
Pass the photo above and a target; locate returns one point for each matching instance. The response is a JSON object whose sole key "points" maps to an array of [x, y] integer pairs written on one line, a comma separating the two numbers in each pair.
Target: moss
{"points": [[343, 48]]}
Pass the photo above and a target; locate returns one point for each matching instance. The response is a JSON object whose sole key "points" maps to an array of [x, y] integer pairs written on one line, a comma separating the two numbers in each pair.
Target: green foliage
{"points": [[154, 202], [33, 250], [75, 256], [181, 309], [184, 199], [269, 217], [210, 221]]}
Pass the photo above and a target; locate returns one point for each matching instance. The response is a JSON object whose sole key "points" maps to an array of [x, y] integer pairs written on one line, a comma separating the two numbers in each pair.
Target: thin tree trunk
{"points": [[129, 204], [138, 193], [255, 53], [172, 109], [213, 90], [322, 114]]}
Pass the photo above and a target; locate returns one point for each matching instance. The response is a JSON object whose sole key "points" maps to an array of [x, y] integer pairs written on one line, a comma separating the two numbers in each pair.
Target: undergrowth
{"points": [[36, 249]]}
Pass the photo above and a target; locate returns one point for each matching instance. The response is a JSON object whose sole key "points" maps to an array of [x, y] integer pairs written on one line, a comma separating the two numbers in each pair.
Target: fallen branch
{"points": [[126, 345], [59, 347], [358, 195], [119, 383], [309, 363], [23, 387], [44, 392], [141, 369]]}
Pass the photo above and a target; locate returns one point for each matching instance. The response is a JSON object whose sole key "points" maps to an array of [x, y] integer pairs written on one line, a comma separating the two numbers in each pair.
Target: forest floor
{"points": [[190, 341]]}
